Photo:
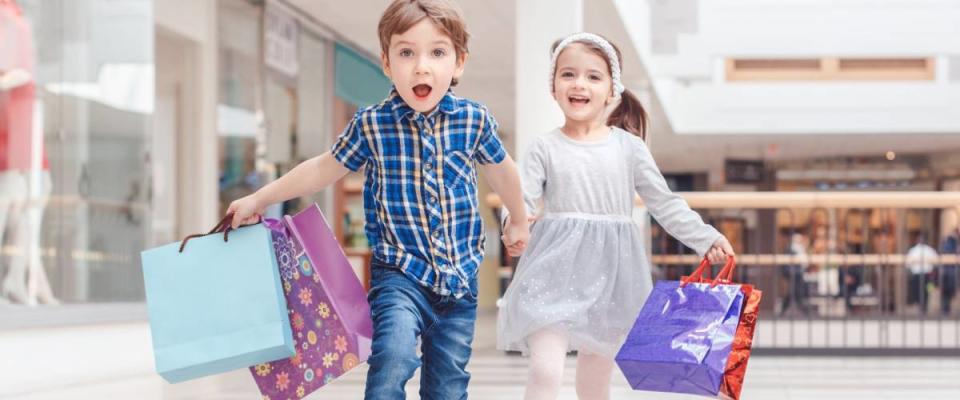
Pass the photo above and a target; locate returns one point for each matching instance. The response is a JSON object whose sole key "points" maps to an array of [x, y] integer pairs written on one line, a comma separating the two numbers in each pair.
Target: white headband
{"points": [[600, 42]]}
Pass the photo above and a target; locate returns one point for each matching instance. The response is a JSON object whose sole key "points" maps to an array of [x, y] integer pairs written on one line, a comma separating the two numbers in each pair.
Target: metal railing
{"points": [[853, 294]]}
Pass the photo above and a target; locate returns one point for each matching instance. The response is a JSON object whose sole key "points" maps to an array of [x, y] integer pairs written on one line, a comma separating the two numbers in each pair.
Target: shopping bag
{"points": [[216, 303], [682, 337], [735, 370], [327, 308]]}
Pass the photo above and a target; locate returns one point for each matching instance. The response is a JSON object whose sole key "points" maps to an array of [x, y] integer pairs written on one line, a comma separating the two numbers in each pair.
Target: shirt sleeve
{"points": [[668, 208], [489, 148], [351, 148]]}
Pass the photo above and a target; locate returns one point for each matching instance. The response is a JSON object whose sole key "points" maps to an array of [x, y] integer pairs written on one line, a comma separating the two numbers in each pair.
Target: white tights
{"points": [[548, 350]]}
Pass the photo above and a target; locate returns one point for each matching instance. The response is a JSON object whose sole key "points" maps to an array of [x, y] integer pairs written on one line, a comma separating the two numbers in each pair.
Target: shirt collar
{"points": [[448, 105]]}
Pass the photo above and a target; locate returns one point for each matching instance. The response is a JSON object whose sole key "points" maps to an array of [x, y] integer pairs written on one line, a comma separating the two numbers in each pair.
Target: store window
{"points": [[274, 99], [75, 116]]}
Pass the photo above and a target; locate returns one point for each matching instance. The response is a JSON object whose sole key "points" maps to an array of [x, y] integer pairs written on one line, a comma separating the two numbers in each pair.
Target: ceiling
{"points": [[489, 78]]}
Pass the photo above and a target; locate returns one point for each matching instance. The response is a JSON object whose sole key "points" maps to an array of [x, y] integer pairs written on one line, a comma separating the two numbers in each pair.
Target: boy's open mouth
{"points": [[422, 91]]}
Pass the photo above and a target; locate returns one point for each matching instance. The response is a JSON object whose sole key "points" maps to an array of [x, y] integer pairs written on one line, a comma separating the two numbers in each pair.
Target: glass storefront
{"points": [[75, 202], [274, 99], [77, 141]]}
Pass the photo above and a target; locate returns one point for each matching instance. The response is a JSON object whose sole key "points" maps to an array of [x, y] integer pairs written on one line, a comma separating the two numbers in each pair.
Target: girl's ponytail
{"points": [[630, 115]]}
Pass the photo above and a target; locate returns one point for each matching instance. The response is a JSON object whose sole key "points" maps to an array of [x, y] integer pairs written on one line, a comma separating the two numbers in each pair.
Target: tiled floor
{"points": [[499, 376]]}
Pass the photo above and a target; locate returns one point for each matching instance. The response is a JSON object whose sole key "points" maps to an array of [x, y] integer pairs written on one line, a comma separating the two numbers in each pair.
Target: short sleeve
{"points": [[489, 147], [351, 147]]}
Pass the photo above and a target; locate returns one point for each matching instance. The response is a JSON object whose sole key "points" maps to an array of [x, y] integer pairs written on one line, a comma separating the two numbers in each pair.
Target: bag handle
{"points": [[225, 226], [700, 274]]}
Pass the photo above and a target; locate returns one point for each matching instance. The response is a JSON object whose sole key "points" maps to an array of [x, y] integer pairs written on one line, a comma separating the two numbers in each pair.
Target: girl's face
{"points": [[582, 84]]}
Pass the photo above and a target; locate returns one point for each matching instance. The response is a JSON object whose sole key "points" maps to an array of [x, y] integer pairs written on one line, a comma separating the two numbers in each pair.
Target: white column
{"points": [[198, 155], [539, 24]]}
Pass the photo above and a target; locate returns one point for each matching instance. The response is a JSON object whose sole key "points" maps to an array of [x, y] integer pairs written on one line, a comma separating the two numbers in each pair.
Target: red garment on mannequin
{"points": [[16, 105]]}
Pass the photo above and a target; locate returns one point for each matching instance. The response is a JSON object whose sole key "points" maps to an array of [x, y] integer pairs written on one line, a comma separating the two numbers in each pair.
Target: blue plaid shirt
{"points": [[420, 193]]}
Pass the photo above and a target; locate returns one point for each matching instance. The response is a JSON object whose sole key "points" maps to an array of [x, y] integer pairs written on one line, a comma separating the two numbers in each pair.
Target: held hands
{"points": [[719, 251], [246, 210], [516, 235]]}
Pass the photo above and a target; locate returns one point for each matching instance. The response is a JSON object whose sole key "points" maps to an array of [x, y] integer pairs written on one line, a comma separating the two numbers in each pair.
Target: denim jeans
{"points": [[403, 311]]}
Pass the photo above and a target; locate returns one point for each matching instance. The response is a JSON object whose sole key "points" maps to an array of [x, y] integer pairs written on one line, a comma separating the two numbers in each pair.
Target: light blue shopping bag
{"points": [[216, 306]]}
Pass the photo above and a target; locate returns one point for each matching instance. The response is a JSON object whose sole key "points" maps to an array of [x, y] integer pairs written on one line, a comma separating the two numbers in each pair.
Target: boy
{"points": [[419, 147]]}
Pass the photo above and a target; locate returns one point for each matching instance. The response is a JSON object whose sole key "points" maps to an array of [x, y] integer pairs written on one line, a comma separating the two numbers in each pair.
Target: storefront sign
{"points": [[281, 33]]}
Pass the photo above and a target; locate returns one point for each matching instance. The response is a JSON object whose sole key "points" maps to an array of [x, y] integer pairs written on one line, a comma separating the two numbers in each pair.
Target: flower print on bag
{"points": [[297, 321], [329, 359], [306, 296], [283, 380], [263, 369], [306, 268], [350, 360], [340, 343], [297, 359]]}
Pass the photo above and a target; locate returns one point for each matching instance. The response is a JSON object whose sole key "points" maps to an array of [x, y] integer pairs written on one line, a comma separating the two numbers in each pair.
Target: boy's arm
{"points": [[309, 177], [505, 181]]}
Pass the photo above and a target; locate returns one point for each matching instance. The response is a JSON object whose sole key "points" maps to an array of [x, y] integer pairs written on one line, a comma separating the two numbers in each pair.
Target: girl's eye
{"points": [[406, 53], [566, 74], [439, 52], [595, 77]]}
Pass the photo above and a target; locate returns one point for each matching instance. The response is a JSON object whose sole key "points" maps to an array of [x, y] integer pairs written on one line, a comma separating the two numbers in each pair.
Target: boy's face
{"points": [[421, 63]]}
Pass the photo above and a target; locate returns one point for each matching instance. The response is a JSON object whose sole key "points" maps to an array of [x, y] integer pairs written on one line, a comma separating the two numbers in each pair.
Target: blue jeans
{"points": [[403, 310]]}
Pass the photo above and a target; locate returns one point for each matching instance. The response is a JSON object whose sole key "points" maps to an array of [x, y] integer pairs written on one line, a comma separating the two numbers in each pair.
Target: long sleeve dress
{"points": [[584, 271]]}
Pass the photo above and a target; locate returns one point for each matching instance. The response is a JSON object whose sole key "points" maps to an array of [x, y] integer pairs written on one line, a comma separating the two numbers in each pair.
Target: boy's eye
{"points": [[406, 53], [439, 52]]}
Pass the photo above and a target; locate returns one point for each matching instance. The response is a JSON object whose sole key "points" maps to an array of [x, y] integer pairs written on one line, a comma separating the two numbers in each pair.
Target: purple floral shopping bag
{"points": [[327, 304]]}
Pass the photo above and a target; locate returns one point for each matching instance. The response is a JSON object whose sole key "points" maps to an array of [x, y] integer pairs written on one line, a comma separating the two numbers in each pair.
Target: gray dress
{"points": [[585, 272]]}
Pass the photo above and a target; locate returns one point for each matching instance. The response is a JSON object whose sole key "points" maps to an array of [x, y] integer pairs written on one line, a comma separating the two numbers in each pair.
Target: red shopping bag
{"points": [[736, 368]]}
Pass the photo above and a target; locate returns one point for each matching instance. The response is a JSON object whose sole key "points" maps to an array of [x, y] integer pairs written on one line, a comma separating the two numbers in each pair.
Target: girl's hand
{"points": [[720, 250], [246, 210], [515, 236]]}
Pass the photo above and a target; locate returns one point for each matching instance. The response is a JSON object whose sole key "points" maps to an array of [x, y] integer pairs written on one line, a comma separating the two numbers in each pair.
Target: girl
{"points": [[584, 276]]}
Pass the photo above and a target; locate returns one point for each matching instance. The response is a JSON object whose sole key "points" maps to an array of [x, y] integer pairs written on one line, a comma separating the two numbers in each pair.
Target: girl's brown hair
{"points": [[629, 114]]}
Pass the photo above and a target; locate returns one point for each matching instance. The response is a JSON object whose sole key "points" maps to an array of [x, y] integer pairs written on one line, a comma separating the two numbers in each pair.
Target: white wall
{"points": [[697, 100]]}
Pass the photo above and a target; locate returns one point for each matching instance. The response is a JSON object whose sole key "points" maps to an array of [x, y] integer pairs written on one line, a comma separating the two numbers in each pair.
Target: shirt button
{"points": [[436, 234], [428, 167], [433, 199]]}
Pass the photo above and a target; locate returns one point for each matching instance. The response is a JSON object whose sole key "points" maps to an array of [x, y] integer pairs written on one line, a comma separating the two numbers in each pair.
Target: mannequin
{"points": [[24, 180]]}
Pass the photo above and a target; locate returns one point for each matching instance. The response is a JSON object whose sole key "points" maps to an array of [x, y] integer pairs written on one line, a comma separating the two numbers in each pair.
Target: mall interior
{"points": [[822, 137]]}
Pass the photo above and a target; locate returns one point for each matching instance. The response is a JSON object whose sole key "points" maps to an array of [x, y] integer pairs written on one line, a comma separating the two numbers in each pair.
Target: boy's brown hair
{"points": [[401, 15]]}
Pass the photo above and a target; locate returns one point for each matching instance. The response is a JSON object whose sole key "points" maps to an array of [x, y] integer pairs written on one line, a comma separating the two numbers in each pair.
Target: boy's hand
{"points": [[516, 235], [246, 210], [720, 250]]}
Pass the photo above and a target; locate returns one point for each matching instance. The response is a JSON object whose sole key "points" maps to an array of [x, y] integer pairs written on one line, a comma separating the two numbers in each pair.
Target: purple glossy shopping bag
{"points": [[329, 313], [682, 337]]}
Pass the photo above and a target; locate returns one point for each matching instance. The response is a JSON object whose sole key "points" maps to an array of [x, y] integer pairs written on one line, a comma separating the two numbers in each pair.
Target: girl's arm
{"points": [[670, 210], [533, 180], [309, 177]]}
